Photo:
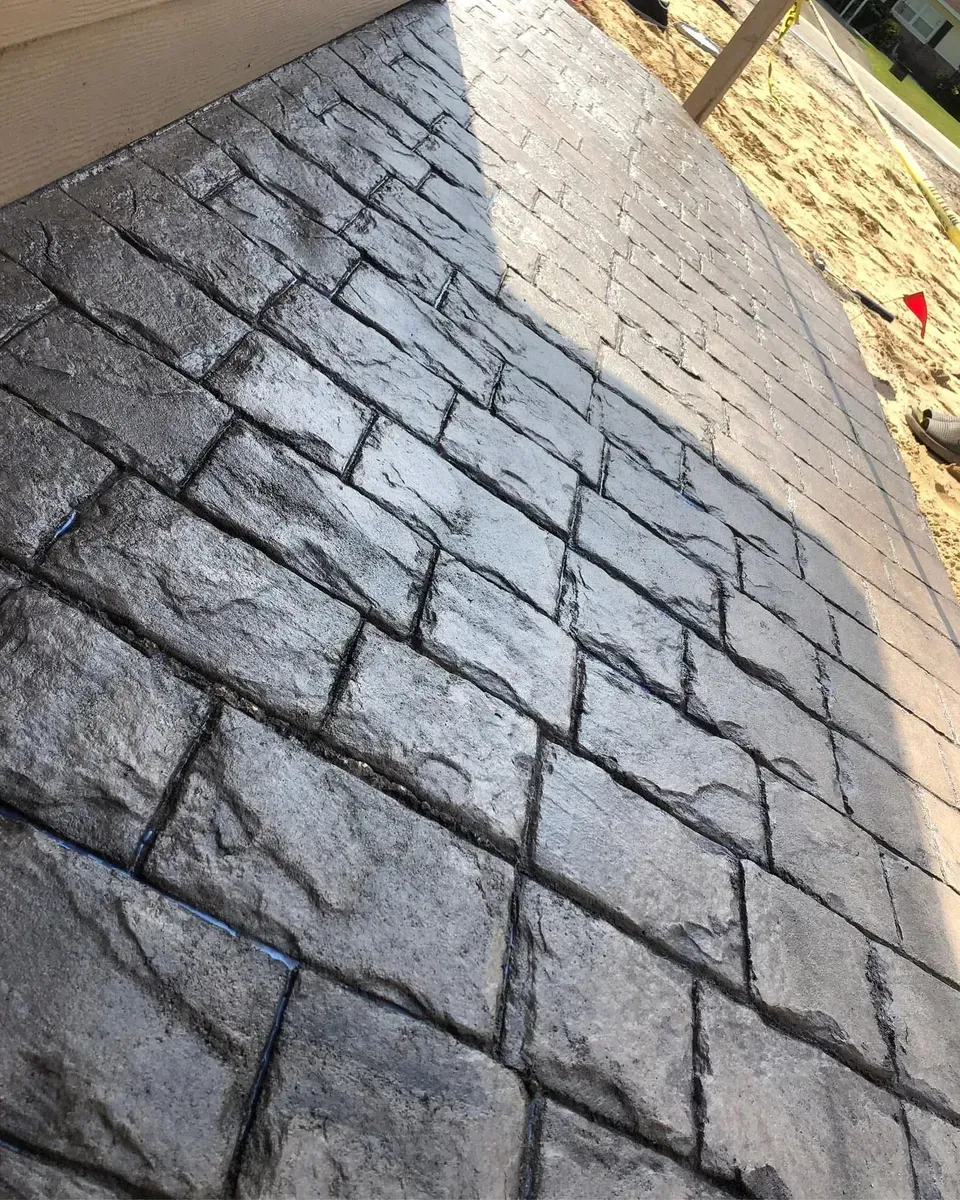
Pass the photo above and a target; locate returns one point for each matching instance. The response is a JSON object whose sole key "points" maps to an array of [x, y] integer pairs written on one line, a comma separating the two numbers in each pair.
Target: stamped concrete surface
{"points": [[479, 705]]}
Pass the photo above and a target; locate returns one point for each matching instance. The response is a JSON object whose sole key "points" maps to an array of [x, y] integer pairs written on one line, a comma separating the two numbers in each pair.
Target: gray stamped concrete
{"points": [[478, 702]]}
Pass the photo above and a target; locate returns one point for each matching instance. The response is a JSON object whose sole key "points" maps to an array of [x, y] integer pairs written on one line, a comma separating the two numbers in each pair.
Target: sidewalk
{"points": [[900, 114], [478, 701]]}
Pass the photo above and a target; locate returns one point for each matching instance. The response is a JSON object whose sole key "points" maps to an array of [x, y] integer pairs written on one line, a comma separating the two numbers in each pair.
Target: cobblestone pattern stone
{"points": [[478, 701]]}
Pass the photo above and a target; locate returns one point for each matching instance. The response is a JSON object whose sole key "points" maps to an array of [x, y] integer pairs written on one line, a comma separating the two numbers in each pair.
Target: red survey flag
{"points": [[917, 303]]}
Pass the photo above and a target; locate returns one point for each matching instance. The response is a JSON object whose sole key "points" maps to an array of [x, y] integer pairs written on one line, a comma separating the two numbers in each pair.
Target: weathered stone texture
{"points": [[305, 857], [360, 1095], [92, 730], [209, 599], [598, 1018], [108, 986], [452, 744]]}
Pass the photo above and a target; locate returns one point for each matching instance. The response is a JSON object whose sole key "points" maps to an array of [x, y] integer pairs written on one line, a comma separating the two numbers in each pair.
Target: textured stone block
{"points": [[301, 243], [191, 161], [928, 913], [160, 216], [144, 302], [789, 1121], [324, 530], [550, 422], [360, 1095], [823, 852], [706, 780], [23, 298], [598, 1018], [209, 599], [741, 510], [23, 1177], [614, 622], [607, 532], [697, 533], [795, 602], [887, 803], [276, 387], [157, 1017], [761, 719], [358, 356], [778, 654], [126, 402], [428, 336], [935, 1150], [459, 749], [923, 1013], [305, 857], [445, 505], [516, 467], [583, 1161], [626, 854], [508, 647], [46, 473], [810, 969], [400, 253]]}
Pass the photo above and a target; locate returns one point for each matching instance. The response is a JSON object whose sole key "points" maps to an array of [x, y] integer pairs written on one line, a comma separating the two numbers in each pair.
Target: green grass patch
{"points": [[910, 92]]}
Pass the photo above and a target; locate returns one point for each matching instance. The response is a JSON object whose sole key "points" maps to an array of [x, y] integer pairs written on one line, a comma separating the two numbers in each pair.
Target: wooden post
{"points": [[762, 20]]}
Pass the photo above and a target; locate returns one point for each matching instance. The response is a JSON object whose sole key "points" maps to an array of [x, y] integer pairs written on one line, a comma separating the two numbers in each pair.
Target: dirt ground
{"points": [[819, 163]]}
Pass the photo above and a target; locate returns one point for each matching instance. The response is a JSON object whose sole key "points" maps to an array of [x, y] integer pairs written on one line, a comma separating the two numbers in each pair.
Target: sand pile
{"points": [[822, 168]]}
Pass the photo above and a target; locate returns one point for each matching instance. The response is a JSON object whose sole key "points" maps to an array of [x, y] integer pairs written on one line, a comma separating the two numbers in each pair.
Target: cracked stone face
{"points": [[360, 1096], [111, 975]]}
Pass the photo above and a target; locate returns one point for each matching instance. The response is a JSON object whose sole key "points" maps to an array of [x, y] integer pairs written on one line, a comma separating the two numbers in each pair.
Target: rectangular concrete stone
{"points": [[508, 647], [399, 253], [124, 401], [319, 527], [359, 1094], [442, 503], [606, 532], [514, 466], [209, 599], [554, 425], [276, 387], [823, 852], [789, 1121], [598, 1018], [888, 804], [923, 1013], [23, 298], [357, 356], [142, 301], [302, 244], [772, 649], [622, 852], [763, 720], [305, 857], [810, 969], [92, 730], [779, 590], [579, 1159], [841, 585], [928, 913], [687, 527], [121, 986], [614, 622], [706, 780], [155, 213], [742, 511], [47, 472], [187, 158], [427, 336], [460, 750]]}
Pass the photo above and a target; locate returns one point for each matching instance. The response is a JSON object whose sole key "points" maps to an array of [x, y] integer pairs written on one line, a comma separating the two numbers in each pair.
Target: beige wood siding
{"points": [[79, 78]]}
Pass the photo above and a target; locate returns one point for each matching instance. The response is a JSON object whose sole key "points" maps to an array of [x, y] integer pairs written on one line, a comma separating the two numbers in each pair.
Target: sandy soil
{"points": [[821, 166]]}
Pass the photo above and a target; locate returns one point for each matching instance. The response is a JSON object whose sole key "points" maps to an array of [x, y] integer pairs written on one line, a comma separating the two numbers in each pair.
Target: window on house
{"points": [[922, 19]]}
